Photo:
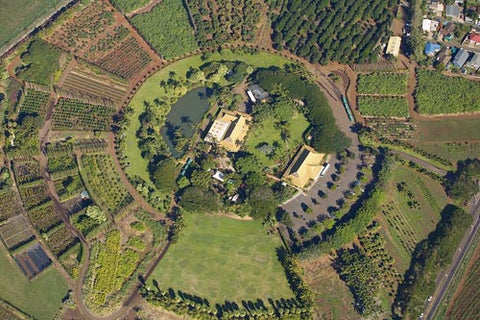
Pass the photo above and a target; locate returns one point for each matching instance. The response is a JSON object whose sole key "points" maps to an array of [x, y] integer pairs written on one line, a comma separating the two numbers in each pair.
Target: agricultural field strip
{"points": [[82, 81], [383, 106], [73, 114], [15, 231], [407, 225]]}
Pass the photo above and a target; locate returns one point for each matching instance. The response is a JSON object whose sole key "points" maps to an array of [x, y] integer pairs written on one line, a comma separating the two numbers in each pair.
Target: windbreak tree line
{"points": [[332, 30]]}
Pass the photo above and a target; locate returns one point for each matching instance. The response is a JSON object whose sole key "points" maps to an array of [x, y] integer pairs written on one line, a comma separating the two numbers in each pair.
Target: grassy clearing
{"points": [[41, 298], [18, 15], [449, 130], [271, 135], [453, 151], [332, 298], [150, 90], [409, 215], [220, 259]]}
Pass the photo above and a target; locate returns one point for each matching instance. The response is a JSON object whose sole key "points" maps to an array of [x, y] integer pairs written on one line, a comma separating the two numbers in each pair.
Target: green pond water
{"points": [[184, 115]]}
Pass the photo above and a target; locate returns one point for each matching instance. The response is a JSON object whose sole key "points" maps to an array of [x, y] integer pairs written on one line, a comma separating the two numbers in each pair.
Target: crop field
{"points": [[35, 102], [8, 312], [268, 133], [41, 297], [59, 240], [85, 80], [218, 22], [72, 114], [220, 259], [34, 195], [90, 145], [465, 304], [103, 182], [410, 211], [69, 187], [175, 36], [446, 130], [396, 107], [61, 165], [452, 151], [129, 5], [44, 217], [15, 232], [32, 260], [71, 259], [382, 83], [94, 35], [17, 16], [437, 93], [26, 171], [110, 266], [9, 207]]}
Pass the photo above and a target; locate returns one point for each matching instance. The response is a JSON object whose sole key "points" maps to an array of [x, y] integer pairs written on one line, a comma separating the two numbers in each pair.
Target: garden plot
{"points": [[35, 102], [33, 260], [9, 207], [15, 232], [71, 114]]}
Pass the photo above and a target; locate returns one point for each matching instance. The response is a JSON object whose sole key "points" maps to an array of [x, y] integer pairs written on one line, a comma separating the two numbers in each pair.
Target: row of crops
{"points": [[103, 182], [72, 114], [391, 107], [35, 102], [382, 83]]}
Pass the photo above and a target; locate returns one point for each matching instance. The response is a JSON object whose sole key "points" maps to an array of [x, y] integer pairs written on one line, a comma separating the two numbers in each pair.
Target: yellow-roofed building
{"points": [[229, 129], [393, 46], [306, 166]]}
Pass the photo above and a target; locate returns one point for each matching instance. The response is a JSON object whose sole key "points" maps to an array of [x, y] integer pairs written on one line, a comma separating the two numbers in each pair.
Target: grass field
{"points": [[449, 130], [41, 298], [18, 15], [404, 225], [150, 90], [269, 134], [221, 259]]}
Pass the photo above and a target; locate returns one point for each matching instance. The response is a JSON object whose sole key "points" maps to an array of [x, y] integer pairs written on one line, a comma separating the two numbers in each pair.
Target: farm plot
{"points": [[103, 182], [35, 102], [32, 260], [94, 35], [110, 265], [437, 93], [8, 312], [9, 207], [62, 166], [411, 210], [70, 114], [175, 36], [34, 195], [382, 83], [15, 232], [71, 259], [69, 187], [44, 217], [26, 171], [88, 220], [60, 239], [90, 145], [465, 303], [395, 107], [95, 84]]}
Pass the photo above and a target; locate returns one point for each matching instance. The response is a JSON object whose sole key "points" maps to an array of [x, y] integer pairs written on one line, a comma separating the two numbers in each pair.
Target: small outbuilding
{"points": [[393, 46], [257, 93], [432, 48]]}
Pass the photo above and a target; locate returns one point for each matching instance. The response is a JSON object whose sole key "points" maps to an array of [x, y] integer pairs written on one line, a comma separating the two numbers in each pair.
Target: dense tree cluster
{"points": [[463, 183], [40, 61], [339, 30], [430, 256], [326, 137], [219, 22]]}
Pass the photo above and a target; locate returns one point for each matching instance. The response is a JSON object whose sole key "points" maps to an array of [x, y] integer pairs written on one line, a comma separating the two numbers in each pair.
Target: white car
{"points": [[429, 299]]}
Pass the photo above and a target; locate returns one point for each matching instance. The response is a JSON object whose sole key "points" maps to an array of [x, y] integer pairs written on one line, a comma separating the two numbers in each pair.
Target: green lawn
{"points": [[269, 134], [220, 259], [18, 15], [404, 226], [150, 90], [449, 129], [41, 298]]}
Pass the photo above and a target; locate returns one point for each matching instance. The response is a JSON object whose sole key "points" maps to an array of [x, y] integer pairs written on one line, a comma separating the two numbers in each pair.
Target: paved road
{"points": [[447, 278]]}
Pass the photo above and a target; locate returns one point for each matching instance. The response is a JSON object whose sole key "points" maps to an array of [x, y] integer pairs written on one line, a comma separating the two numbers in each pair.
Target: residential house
{"points": [[436, 7], [444, 56], [453, 11], [473, 38], [460, 58], [474, 62], [446, 30], [393, 46], [429, 25], [229, 129], [305, 167], [432, 48]]}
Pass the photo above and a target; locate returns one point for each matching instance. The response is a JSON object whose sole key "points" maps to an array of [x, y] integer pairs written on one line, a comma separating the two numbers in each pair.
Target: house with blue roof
{"points": [[432, 48]]}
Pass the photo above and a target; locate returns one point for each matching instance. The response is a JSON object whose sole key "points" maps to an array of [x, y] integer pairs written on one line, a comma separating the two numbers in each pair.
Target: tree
{"points": [[262, 202], [165, 174], [201, 178], [96, 214], [248, 163], [197, 199]]}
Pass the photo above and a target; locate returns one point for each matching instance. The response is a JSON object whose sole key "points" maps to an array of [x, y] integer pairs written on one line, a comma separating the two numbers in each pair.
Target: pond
{"points": [[184, 115]]}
